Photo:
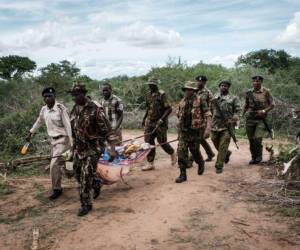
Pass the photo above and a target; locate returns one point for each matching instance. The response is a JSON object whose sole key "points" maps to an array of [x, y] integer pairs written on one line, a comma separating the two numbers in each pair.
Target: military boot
{"points": [[258, 159], [182, 176], [201, 168], [219, 169], [55, 194], [210, 157], [84, 210]]}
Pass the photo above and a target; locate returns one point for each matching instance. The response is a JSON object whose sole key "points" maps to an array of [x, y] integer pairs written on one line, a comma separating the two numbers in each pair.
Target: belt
{"points": [[58, 137]]}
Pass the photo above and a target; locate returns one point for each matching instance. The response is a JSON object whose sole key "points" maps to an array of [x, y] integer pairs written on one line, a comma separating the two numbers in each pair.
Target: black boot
{"points": [[210, 158], [84, 210], [201, 168], [258, 159], [252, 162], [182, 176], [219, 169], [55, 194]]}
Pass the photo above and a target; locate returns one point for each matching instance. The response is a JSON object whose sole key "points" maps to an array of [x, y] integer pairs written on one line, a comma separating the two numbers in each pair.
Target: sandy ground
{"points": [[153, 212]]}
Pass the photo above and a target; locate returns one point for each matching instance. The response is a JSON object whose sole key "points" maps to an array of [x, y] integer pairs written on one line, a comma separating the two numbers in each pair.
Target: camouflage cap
{"points": [[153, 81], [78, 87], [189, 85]]}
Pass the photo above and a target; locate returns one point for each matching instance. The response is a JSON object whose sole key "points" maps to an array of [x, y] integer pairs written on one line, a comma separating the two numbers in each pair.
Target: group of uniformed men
{"points": [[94, 125]]}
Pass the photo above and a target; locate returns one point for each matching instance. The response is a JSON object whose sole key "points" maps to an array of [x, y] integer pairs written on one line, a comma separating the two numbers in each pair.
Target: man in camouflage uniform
{"points": [[206, 95], [192, 113], [229, 106], [90, 130], [113, 108], [259, 102], [155, 122]]}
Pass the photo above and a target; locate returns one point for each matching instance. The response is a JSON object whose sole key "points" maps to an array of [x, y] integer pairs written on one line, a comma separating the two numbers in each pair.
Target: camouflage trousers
{"points": [[161, 135], [221, 140], [255, 138], [85, 174], [206, 147], [184, 146]]}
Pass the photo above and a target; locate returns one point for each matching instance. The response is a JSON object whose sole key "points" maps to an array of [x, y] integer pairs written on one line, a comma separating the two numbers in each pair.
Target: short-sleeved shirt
{"points": [[113, 107], [156, 104], [57, 121], [229, 106], [263, 99]]}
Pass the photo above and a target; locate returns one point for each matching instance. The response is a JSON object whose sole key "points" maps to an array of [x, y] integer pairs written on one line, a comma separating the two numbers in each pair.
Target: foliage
{"points": [[59, 75], [14, 67], [21, 99], [269, 59]]}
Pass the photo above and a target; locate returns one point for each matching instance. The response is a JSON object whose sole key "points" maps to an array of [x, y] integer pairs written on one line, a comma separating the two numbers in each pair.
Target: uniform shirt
{"points": [[56, 119], [90, 130], [112, 108], [263, 99], [229, 106], [187, 111], [206, 95], [156, 105]]}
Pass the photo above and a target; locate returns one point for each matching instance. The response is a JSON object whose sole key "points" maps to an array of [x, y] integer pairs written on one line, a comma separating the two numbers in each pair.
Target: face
{"points": [[188, 93], [201, 84], [49, 99], [106, 92], [256, 84], [152, 87], [79, 98], [224, 88]]}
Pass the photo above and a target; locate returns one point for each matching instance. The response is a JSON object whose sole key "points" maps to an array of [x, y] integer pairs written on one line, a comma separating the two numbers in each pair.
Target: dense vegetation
{"points": [[21, 100]]}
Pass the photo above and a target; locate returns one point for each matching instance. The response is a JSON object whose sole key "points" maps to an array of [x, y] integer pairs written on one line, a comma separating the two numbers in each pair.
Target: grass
{"points": [[5, 189], [39, 195], [293, 212]]}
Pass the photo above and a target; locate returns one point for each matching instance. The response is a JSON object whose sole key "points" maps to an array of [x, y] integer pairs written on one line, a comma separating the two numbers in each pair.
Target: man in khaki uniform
{"points": [[259, 102], [155, 122], [57, 121], [207, 96]]}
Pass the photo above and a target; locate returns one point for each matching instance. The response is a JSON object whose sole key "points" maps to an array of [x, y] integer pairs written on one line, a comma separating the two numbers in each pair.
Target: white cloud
{"points": [[115, 68], [139, 34], [49, 34], [291, 35], [226, 60]]}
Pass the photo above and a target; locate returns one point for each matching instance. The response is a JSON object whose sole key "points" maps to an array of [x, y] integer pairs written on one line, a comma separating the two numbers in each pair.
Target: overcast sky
{"points": [[108, 38]]}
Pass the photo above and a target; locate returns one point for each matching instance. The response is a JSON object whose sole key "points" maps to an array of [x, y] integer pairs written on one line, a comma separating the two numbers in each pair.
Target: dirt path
{"points": [[154, 213]]}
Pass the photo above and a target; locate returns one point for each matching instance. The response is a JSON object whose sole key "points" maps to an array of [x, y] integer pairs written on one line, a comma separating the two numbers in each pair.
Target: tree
{"points": [[14, 67], [59, 75], [269, 59]]}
